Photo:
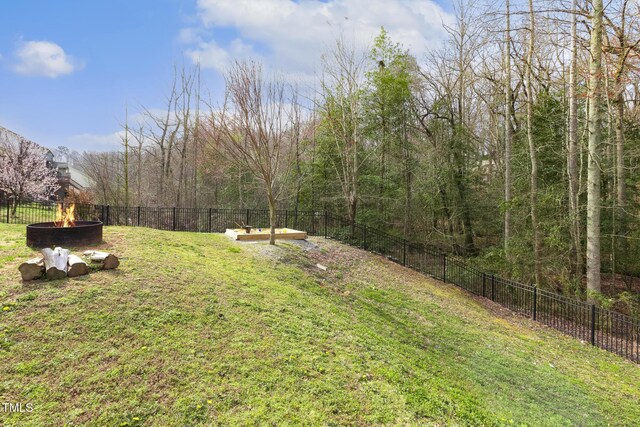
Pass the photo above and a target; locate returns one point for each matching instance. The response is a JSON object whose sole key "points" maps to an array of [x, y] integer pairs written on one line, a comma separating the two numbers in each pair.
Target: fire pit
{"points": [[46, 234], [65, 230]]}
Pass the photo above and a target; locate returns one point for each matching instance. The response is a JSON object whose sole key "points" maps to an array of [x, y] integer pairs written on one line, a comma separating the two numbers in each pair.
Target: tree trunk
{"points": [[459, 177], [621, 189], [508, 135], [139, 172], [272, 218], [572, 152], [595, 142], [196, 142], [32, 269], [532, 150], [240, 192], [407, 204], [408, 180], [55, 262], [383, 170], [160, 197], [77, 267], [298, 172], [108, 261], [353, 207], [126, 159], [181, 179], [469, 245], [14, 206], [446, 210]]}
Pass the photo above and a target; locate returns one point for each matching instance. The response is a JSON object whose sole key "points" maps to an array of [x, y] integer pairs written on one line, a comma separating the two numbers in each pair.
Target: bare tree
{"points": [[339, 103], [253, 129], [104, 170], [162, 134], [508, 131], [622, 45], [139, 138], [595, 155], [532, 147], [446, 114], [185, 122], [573, 147], [125, 143]]}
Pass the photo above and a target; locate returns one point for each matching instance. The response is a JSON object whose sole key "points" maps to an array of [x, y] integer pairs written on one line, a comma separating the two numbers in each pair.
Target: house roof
{"points": [[79, 177]]}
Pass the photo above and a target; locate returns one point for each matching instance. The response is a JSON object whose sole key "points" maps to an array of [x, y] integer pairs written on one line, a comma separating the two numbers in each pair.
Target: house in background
{"points": [[68, 177]]}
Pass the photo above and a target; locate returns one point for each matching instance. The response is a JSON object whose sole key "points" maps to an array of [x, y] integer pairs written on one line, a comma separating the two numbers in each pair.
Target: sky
{"points": [[69, 69]]}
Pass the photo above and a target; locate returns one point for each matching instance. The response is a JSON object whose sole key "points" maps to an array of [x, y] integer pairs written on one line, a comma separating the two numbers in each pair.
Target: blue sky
{"points": [[68, 68]]}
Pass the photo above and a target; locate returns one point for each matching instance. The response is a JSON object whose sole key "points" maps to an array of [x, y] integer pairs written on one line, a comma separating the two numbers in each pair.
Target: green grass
{"points": [[194, 329]]}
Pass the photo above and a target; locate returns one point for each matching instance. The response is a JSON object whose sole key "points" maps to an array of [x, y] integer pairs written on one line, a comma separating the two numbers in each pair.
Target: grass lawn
{"points": [[195, 329]]}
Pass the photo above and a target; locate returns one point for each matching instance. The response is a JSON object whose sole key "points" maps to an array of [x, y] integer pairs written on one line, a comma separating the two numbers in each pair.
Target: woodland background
{"points": [[490, 147]]}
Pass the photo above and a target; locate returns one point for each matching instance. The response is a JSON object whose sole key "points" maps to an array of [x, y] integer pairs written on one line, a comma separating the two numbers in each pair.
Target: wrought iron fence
{"points": [[609, 330], [34, 212]]}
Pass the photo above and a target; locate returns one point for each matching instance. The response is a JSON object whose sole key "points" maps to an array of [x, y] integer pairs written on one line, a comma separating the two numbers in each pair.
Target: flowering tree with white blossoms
{"points": [[23, 169]]}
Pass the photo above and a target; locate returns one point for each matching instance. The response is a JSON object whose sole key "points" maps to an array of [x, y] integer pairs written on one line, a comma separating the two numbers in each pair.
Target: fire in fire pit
{"points": [[65, 230], [65, 217]]}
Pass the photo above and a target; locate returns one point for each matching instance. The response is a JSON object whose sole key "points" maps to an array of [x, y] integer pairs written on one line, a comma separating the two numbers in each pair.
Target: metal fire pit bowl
{"points": [[46, 234]]}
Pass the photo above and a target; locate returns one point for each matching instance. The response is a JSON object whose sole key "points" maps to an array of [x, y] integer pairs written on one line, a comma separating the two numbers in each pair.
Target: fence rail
{"points": [[609, 330]]}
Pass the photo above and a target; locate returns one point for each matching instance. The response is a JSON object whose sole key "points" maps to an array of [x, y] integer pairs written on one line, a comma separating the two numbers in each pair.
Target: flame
{"points": [[66, 217]]}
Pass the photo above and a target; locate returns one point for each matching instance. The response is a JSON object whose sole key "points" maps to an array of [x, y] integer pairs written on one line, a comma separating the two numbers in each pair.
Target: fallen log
{"points": [[77, 266], [109, 261], [32, 269], [55, 262]]}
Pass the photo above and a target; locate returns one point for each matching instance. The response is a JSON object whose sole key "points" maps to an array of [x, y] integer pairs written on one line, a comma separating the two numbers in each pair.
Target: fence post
{"points": [[444, 268], [484, 284], [404, 252], [247, 218], [593, 324], [209, 220], [7, 211], [138, 216], [535, 302], [174, 218], [107, 219], [286, 218]]}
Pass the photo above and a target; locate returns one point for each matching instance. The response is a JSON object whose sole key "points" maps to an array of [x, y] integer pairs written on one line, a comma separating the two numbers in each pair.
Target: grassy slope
{"points": [[195, 329]]}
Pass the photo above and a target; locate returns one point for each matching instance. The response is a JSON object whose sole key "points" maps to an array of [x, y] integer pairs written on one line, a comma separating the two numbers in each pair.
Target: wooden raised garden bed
{"points": [[257, 234]]}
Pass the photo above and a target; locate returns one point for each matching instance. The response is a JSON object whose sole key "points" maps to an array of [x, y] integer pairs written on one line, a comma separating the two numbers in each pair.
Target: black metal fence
{"points": [[609, 330]]}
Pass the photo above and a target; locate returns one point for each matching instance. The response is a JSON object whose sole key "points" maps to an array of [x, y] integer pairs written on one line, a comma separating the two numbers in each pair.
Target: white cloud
{"points": [[211, 55], [96, 142], [292, 35], [44, 59], [189, 36]]}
